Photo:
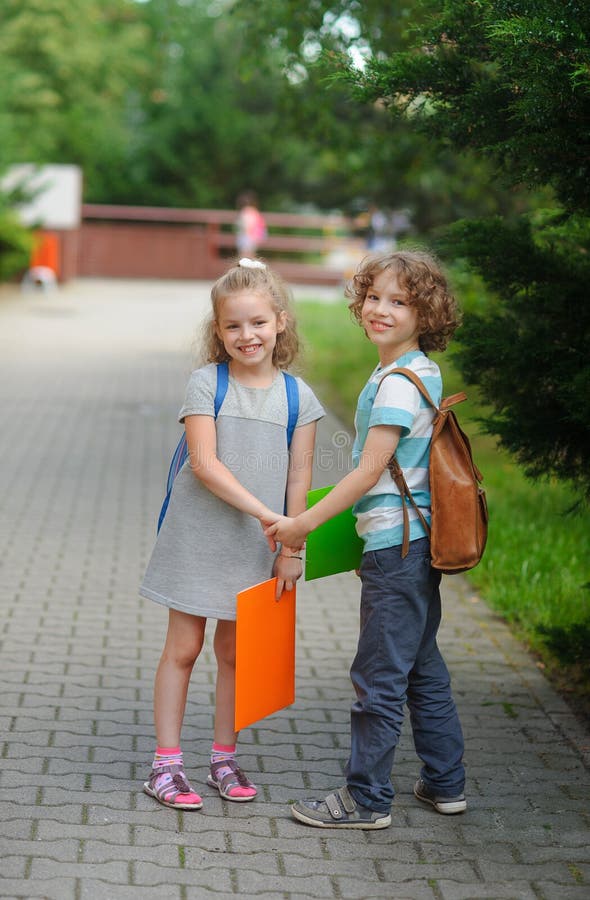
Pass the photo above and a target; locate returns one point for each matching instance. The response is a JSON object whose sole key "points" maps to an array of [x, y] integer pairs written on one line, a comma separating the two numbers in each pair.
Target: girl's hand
{"points": [[289, 532], [288, 570], [267, 520]]}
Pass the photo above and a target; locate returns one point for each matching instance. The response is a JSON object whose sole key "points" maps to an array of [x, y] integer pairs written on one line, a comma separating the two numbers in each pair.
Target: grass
{"points": [[535, 571]]}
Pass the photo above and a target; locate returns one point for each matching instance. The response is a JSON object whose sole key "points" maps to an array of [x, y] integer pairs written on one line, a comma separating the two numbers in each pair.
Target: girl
{"points": [[402, 302], [211, 545]]}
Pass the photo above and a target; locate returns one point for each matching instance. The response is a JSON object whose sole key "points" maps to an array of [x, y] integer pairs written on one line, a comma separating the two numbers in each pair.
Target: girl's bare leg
{"points": [[184, 641], [224, 645], [225, 774]]}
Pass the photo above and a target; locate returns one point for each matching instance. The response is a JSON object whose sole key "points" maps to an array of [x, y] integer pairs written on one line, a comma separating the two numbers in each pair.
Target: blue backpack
{"points": [[181, 453]]}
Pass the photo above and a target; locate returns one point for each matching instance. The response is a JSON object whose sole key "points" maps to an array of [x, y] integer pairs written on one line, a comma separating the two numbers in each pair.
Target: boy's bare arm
{"points": [[381, 443]]}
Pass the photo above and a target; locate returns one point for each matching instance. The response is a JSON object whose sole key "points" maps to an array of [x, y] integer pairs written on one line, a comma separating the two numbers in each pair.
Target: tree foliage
{"points": [[375, 158], [510, 79], [204, 129], [66, 69], [451, 108], [16, 243], [228, 103], [186, 102], [528, 350], [505, 83]]}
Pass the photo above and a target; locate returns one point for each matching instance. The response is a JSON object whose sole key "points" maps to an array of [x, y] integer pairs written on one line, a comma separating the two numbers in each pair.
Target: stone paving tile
{"points": [[113, 872], [250, 880], [502, 890], [97, 890], [45, 889], [79, 649], [354, 888], [14, 866]]}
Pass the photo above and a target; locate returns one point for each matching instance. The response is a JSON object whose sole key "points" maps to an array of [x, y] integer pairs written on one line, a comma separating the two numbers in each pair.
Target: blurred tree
{"points": [[528, 350], [16, 242], [66, 71], [371, 157], [185, 103], [225, 108], [205, 129], [511, 79], [508, 78], [509, 82]]}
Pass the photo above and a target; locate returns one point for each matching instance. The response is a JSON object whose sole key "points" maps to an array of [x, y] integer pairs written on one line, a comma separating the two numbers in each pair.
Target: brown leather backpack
{"points": [[459, 520]]}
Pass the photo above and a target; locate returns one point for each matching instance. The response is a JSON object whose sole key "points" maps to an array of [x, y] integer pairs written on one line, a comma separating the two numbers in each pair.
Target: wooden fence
{"points": [[157, 242]]}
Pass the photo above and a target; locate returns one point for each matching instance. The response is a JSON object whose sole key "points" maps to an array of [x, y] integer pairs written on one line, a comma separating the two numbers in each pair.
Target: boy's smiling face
{"points": [[390, 322]]}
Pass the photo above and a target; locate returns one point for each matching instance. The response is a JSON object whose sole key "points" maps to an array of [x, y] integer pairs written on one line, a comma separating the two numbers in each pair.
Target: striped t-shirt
{"points": [[379, 514]]}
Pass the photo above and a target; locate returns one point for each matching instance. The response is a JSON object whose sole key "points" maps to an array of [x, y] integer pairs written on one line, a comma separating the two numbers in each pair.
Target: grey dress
{"points": [[207, 551]]}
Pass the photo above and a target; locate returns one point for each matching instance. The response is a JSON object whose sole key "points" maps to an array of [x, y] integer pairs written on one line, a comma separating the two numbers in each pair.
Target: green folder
{"points": [[334, 546]]}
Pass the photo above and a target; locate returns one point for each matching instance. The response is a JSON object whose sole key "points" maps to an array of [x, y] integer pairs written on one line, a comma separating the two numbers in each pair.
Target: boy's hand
{"points": [[289, 532], [287, 570]]}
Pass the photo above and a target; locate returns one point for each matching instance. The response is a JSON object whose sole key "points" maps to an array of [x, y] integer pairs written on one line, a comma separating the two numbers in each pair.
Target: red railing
{"points": [[144, 241]]}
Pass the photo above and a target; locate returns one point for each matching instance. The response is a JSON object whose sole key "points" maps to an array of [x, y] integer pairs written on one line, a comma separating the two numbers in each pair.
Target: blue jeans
{"points": [[398, 661]]}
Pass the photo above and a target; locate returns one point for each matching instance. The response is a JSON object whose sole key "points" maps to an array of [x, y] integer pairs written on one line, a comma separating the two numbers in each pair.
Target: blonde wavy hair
{"points": [[420, 275], [261, 281]]}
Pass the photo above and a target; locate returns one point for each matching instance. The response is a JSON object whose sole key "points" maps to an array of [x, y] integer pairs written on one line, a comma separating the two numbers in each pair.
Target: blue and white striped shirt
{"points": [[379, 513]]}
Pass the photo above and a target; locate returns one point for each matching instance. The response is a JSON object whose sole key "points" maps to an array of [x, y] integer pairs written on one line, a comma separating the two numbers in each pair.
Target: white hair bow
{"points": [[251, 263]]}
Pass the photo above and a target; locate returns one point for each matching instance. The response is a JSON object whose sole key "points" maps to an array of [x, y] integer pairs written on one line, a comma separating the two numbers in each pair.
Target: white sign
{"points": [[55, 194]]}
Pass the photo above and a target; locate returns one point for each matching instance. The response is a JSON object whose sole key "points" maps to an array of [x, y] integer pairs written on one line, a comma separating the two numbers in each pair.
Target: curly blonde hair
{"points": [[261, 281], [420, 275]]}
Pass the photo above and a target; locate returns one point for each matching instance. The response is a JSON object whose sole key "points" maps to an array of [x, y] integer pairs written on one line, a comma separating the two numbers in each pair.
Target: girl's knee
{"points": [[225, 654], [183, 656], [184, 641], [224, 643]]}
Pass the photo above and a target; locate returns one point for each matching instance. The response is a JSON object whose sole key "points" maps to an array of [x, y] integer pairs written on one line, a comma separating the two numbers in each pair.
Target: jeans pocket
{"points": [[389, 563]]}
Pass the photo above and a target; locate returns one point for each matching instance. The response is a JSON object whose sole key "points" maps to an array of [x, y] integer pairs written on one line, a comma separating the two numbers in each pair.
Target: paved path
{"points": [[91, 379]]}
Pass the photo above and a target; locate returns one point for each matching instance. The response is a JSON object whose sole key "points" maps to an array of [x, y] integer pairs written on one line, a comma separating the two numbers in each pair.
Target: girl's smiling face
{"points": [[248, 326], [389, 320]]}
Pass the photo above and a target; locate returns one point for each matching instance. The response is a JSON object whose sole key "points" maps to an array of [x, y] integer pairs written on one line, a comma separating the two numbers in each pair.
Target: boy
{"points": [[402, 302]]}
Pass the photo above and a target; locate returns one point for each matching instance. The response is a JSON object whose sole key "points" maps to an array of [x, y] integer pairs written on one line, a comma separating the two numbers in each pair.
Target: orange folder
{"points": [[265, 652]]}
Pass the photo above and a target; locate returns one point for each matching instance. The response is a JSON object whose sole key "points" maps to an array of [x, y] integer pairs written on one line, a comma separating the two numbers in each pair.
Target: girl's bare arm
{"points": [[201, 438], [298, 483], [300, 468]]}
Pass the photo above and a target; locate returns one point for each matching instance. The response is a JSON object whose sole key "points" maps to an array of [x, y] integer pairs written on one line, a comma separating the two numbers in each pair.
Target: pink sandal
{"points": [[172, 789], [231, 786]]}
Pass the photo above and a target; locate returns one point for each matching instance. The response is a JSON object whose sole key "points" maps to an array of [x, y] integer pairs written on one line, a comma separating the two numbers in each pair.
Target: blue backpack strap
{"points": [[292, 405], [292, 390], [222, 385], [181, 453], [178, 459]]}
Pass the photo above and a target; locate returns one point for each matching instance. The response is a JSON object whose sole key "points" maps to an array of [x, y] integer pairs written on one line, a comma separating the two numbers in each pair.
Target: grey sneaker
{"points": [[338, 810], [448, 806]]}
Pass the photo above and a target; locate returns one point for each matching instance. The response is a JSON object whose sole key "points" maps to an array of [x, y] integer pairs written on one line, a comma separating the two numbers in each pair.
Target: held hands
{"points": [[289, 532]]}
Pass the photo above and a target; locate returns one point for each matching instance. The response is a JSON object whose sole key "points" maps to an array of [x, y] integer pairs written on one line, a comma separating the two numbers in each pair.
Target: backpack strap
{"points": [[222, 386], [180, 455], [181, 452], [292, 390], [395, 470], [445, 403]]}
